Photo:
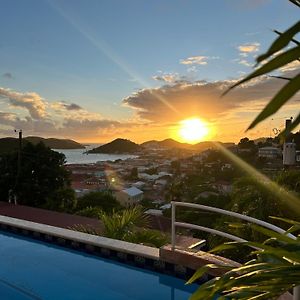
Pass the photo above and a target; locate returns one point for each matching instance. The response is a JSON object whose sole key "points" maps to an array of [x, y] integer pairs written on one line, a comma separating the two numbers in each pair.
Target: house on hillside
{"points": [[223, 187], [130, 196], [269, 152]]}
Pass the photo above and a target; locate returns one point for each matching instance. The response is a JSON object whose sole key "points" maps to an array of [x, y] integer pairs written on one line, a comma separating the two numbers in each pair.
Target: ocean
{"points": [[78, 156]]}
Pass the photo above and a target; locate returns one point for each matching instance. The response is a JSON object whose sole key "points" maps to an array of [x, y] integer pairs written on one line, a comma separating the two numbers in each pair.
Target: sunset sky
{"points": [[94, 70]]}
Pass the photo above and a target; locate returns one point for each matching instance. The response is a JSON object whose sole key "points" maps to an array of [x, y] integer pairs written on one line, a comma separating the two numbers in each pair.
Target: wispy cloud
{"points": [[195, 60], [166, 77], [291, 66], [245, 63], [249, 47], [61, 106]]}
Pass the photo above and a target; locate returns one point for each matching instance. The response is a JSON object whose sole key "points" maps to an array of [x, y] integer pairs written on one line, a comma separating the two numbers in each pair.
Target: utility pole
{"points": [[20, 152], [17, 186]]}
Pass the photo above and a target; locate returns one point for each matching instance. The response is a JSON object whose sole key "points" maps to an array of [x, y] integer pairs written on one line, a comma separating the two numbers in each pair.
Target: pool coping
{"points": [[129, 253], [81, 237]]}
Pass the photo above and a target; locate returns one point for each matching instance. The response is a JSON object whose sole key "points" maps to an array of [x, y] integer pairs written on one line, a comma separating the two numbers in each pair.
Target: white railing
{"points": [[296, 291]]}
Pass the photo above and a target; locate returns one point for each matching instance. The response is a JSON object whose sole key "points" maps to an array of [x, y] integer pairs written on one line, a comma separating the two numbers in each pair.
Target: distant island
{"points": [[118, 146], [124, 146], [9, 144], [54, 143]]}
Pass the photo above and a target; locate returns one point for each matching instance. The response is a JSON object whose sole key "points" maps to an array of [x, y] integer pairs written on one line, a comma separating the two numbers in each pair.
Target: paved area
{"points": [[64, 220], [44, 216]]}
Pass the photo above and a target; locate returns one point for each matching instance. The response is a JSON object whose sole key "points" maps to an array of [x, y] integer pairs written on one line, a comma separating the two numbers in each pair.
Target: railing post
{"points": [[296, 293], [173, 205]]}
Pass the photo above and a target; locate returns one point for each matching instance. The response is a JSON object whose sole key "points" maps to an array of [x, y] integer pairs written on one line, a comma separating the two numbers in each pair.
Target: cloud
{"points": [[63, 106], [58, 119], [249, 47], [35, 105], [69, 127], [201, 98], [195, 60], [167, 77], [8, 75], [72, 106], [245, 63], [294, 65]]}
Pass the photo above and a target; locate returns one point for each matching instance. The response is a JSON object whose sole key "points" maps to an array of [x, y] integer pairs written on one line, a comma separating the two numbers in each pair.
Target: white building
{"points": [[130, 196], [269, 152], [289, 154]]}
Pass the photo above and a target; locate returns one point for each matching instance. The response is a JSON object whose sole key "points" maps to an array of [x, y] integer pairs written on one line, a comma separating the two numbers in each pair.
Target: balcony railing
{"points": [[296, 291]]}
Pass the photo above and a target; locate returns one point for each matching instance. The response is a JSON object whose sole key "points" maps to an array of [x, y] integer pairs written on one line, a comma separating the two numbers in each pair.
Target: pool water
{"points": [[31, 269]]}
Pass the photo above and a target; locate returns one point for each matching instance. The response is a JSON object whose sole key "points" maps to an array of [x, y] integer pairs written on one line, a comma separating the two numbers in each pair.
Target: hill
{"points": [[55, 143], [117, 146], [211, 145], [9, 144], [167, 143], [170, 143]]}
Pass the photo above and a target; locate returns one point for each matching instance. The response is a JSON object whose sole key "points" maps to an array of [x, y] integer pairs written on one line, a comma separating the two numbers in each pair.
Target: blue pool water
{"points": [[34, 270]]}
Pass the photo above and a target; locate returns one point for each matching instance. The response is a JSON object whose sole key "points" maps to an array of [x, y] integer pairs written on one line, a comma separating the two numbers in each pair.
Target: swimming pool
{"points": [[31, 269]]}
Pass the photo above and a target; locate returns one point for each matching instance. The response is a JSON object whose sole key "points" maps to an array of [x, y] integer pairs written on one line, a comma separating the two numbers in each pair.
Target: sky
{"points": [[96, 70]]}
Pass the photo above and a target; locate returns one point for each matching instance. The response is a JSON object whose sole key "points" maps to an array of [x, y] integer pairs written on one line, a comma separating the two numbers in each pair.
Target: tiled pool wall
{"points": [[138, 257]]}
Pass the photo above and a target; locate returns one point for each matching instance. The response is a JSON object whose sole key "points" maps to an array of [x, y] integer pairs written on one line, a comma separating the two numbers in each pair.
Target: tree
{"points": [[134, 174], [174, 191], [151, 171], [245, 143], [103, 200], [175, 166], [43, 180], [290, 180], [253, 199]]}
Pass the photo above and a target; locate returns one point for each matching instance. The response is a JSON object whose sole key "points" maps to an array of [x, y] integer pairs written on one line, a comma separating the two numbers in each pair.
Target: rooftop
{"points": [[133, 191]]}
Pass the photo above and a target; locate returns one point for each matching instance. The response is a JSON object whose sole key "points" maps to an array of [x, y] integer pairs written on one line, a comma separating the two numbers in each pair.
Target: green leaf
{"points": [[273, 234], [289, 90], [200, 272], [275, 63], [293, 222], [293, 228], [225, 246], [281, 42]]}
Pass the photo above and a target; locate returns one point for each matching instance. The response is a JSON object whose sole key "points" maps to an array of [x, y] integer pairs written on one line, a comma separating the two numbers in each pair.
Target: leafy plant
{"points": [[119, 225], [274, 270], [90, 212], [278, 56], [127, 225]]}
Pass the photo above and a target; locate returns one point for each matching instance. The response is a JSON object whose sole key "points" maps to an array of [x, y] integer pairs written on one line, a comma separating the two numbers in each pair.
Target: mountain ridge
{"points": [[120, 145], [8, 144]]}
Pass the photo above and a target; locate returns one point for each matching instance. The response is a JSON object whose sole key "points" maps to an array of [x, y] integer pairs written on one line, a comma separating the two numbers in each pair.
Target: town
{"points": [[159, 175]]}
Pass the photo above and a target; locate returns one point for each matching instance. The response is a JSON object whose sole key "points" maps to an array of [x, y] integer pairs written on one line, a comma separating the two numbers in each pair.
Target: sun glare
{"points": [[193, 130]]}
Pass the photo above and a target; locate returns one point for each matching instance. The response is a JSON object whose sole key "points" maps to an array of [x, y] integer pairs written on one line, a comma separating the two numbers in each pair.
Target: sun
{"points": [[193, 130]]}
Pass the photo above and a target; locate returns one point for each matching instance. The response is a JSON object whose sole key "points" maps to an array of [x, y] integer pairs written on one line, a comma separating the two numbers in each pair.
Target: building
{"points": [[223, 187], [269, 152], [130, 196], [289, 154], [297, 156], [154, 212]]}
